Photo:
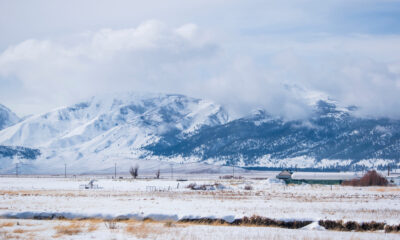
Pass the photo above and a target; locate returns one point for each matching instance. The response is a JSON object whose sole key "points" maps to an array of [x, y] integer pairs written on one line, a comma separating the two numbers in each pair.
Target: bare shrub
{"points": [[248, 187], [331, 225], [158, 174], [339, 225], [110, 224], [372, 226], [134, 171], [392, 228], [169, 223], [352, 226], [371, 178], [263, 221]]}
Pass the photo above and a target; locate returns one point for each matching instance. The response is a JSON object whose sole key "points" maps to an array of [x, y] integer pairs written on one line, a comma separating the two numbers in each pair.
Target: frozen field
{"points": [[91, 229], [170, 200]]}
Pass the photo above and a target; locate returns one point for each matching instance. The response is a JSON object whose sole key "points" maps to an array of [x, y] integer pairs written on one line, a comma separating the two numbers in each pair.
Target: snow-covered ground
{"points": [[167, 199], [59, 229]]}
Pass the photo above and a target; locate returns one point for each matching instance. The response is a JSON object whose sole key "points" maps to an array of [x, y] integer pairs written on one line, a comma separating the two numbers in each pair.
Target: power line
{"points": [[115, 171]]}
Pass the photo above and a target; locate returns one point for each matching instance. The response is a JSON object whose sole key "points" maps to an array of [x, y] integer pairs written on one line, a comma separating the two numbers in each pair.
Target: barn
{"points": [[326, 178]]}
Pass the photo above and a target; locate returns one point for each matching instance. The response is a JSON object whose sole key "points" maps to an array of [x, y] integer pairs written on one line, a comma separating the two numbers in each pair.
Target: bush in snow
{"points": [[371, 178], [134, 171], [110, 224]]}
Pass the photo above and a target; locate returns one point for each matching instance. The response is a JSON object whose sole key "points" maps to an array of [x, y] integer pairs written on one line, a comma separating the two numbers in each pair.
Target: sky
{"points": [[244, 55]]}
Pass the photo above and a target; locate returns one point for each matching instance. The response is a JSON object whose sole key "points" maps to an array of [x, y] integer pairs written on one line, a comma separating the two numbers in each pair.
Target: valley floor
{"points": [[166, 201]]}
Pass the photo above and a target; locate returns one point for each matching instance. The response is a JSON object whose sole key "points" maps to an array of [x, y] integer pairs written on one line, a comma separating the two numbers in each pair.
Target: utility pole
{"points": [[16, 169], [65, 170], [172, 171], [115, 171], [233, 171]]}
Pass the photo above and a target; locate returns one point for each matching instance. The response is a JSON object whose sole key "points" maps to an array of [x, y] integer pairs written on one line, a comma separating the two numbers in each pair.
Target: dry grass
{"points": [[386, 189], [78, 226], [19, 230], [7, 224], [169, 224], [72, 229], [143, 229], [92, 227]]}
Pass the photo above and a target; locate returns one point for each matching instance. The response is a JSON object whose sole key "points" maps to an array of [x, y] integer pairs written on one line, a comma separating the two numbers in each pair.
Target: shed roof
{"points": [[325, 175], [284, 174]]}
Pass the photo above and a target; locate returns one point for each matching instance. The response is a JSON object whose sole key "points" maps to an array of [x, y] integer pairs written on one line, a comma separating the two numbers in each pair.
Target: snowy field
{"points": [[91, 229], [167, 200]]}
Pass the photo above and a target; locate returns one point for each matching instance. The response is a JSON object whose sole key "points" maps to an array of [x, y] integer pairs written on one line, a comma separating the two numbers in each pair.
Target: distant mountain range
{"points": [[331, 139], [159, 129]]}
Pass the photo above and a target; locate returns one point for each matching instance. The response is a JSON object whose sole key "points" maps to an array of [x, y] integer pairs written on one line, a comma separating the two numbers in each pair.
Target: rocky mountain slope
{"points": [[94, 134], [333, 138], [156, 130]]}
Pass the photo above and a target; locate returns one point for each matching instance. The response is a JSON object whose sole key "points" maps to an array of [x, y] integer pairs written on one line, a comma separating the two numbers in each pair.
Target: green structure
{"points": [[325, 178], [314, 181]]}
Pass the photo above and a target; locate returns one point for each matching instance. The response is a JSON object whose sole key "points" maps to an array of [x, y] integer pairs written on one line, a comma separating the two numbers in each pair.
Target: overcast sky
{"points": [[241, 54]]}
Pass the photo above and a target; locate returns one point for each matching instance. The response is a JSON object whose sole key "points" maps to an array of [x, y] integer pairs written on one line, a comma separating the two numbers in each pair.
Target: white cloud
{"points": [[142, 58], [239, 72]]}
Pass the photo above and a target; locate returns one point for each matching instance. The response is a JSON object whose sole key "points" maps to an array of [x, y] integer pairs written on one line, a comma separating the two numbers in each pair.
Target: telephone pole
{"points": [[233, 171], [16, 169], [115, 171], [172, 171], [65, 170]]}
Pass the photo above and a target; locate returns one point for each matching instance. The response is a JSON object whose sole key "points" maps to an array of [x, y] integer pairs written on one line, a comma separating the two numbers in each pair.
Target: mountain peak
{"points": [[150, 114], [7, 117]]}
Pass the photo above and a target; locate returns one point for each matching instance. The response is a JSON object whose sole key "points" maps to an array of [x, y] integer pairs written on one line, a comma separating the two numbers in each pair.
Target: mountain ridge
{"points": [[110, 128], [332, 139], [163, 129]]}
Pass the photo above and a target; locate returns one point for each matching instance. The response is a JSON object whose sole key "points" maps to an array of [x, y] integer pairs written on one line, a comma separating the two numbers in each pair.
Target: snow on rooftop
{"points": [[325, 175]]}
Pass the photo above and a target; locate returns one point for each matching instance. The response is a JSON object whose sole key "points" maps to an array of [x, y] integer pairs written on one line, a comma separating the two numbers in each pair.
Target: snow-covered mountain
{"points": [[8, 154], [332, 138], [94, 134], [155, 130], [7, 117]]}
